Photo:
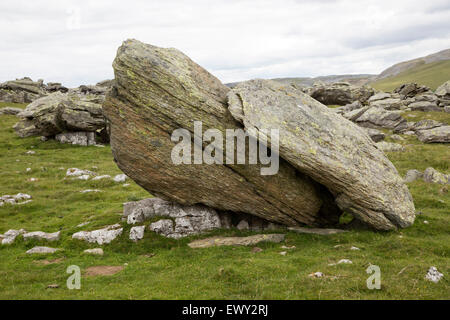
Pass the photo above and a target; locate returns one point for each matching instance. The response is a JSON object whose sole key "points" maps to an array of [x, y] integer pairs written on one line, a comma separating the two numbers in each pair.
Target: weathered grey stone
{"points": [[379, 96], [10, 236], [433, 275], [355, 114], [424, 106], [330, 149], [439, 134], [431, 175], [77, 138], [375, 135], [390, 147], [120, 178], [21, 90], [340, 93], [380, 118], [189, 220], [101, 236], [163, 227], [42, 250], [243, 225], [397, 137], [10, 111], [387, 104], [75, 172], [59, 112], [316, 230], [137, 233], [237, 241], [95, 251], [159, 90], [409, 90], [413, 175], [39, 235]]}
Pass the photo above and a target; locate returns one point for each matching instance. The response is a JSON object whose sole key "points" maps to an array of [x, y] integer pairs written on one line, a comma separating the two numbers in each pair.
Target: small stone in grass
{"points": [[95, 251], [283, 253], [354, 248], [316, 275], [53, 286], [256, 249]]}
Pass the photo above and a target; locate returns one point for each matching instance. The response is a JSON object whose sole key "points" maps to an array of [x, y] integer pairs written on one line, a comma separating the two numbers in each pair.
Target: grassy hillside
{"points": [[432, 75], [179, 272]]}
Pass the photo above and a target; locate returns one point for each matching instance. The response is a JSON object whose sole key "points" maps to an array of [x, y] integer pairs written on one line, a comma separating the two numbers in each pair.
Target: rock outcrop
{"points": [[330, 149], [340, 93], [159, 90], [21, 90], [61, 113]]}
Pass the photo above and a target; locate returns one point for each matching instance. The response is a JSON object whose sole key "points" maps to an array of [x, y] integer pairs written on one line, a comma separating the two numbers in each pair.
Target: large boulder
{"points": [[157, 91], [340, 93], [59, 112], [375, 117], [330, 149]]}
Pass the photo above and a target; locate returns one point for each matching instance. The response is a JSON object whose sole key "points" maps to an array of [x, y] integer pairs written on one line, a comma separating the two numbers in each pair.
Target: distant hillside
{"points": [[415, 63], [431, 74], [431, 70]]}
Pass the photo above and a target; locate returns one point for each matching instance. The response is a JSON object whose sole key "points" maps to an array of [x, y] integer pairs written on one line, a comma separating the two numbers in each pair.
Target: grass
{"points": [[432, 75], [179, 272], [415, 116]]}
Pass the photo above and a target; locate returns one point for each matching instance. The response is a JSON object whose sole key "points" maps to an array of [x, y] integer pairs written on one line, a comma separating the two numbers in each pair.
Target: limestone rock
{"points": [[21, 90], [159, 90], [237, 241], [77, 138], [39, 235], [163, 227], [433, 275], [120, 178], [410, 90], [431, 175], [315, 230], [42, 250], [375, 135], [95, 251], [390, 147], [137, 233], [413, 175], [101, 236], [9, 236], [333, 151]]}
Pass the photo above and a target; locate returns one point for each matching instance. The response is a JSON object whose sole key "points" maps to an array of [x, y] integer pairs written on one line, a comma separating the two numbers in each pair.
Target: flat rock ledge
{"points": [[181, 221], [43, 250], [237, 241], [319, 231]]}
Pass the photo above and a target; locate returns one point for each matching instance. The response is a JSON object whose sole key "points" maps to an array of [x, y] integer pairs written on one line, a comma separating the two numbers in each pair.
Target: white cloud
{"points": [[75, 42]]}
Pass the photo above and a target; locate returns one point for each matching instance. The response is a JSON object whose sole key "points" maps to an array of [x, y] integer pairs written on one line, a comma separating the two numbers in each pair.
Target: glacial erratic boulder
{"points": [[157, 91], [333, 151]]}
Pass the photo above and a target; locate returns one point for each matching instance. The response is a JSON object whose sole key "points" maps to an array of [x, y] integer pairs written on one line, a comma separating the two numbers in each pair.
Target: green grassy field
{"points": [[179, 272], [432, 75]]}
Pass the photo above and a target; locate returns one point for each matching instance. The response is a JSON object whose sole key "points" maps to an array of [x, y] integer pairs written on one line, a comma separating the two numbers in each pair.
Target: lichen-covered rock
{"points": [[409, 90], [375, 135], [413, 175], [59, 112], [137, 233], [158, 90], [21, 90], [390, 147], [435, 135], [340, 93], [379, 118], [333, 151], [10, 236], [431, 175]]}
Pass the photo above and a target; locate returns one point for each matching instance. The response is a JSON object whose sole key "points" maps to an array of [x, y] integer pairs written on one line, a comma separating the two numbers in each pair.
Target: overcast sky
{"points": [[75, 42]]}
